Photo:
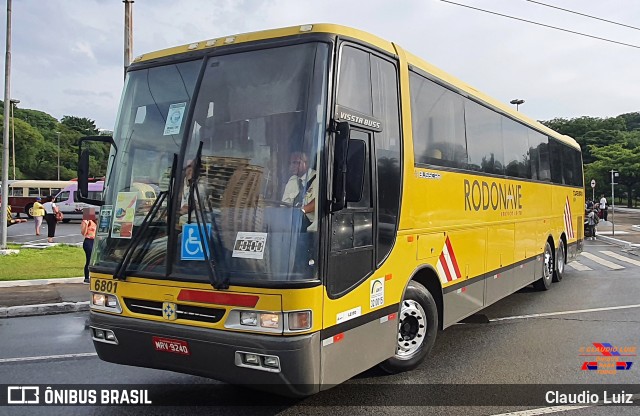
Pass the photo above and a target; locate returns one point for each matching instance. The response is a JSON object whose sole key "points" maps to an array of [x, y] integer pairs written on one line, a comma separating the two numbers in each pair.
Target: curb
{"points": [[38, 282], [43, 309], [615, 241]]}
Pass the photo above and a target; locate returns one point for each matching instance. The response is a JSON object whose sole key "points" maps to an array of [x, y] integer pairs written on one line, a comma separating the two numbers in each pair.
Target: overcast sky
{"points": [[67, 55]]}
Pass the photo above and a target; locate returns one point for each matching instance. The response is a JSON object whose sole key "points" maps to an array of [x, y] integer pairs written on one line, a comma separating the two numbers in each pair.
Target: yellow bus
{"points": [[326, 203]]}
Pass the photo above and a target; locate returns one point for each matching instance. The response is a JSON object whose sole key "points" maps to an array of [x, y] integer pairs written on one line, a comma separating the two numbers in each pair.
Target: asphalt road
{"points": [[596, 302], [25, 233]]}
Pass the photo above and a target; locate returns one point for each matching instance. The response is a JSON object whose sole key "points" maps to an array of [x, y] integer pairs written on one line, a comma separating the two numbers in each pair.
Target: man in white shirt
{"points": [[603, 208], [300, 190]]}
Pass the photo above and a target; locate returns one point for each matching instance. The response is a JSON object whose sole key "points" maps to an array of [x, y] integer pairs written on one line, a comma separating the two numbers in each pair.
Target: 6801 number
{"points": [[101, 285]]}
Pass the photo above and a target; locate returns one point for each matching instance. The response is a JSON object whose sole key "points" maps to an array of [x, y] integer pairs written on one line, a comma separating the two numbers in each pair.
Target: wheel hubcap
{"points": [[411, 329], [561, 259], [548, 263]]}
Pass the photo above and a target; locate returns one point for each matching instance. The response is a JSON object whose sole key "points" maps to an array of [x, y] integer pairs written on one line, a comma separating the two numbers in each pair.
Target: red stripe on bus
{"points": [[453, 258], [445, 267], [227, 299]]}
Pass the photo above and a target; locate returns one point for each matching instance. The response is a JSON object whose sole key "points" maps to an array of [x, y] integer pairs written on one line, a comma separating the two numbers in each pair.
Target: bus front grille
{"points": [[184, 312]]}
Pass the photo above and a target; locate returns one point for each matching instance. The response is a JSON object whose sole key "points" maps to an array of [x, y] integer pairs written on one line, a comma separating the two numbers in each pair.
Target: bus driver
{"points": [[300, 190]]}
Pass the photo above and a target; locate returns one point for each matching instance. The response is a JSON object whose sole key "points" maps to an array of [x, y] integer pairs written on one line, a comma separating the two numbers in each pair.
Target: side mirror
{"points": [[339, 195], [84, 167]]}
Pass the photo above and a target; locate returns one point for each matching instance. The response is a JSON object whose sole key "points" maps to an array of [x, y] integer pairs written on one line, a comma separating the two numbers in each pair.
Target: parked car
{"points": [[66, 200]]}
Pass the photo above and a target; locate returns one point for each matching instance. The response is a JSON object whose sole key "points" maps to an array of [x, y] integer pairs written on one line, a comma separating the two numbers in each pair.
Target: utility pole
{"points": [[128, 33], [14, 103], [5, 137], [614, 174]]}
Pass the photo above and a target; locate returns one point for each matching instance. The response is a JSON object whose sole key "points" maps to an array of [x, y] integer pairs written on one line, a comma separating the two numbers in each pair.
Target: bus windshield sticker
{"points": [[174, 118], [358, 119], [125, 212], [348, 315], [104, 219], [376, 293], [191, 247], [250, 245]]}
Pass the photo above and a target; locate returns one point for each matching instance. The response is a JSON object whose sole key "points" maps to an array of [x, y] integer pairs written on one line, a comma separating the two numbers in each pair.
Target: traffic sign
{"points": [[593, 183]]}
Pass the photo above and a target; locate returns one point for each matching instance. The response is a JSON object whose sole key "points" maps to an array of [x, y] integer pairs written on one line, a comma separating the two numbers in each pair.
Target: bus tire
{"points": [[544, 283], [417, 329], [28, 210], [558, 271]]}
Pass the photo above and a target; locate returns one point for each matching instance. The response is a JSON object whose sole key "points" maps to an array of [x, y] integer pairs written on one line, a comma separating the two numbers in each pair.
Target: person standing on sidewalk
{"points": [[88, 231], [50, 210], [592, 221], [38, 214], [603, 208]]}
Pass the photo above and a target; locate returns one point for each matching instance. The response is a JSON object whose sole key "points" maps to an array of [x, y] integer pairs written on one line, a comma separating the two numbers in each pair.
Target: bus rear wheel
{"points": [[558, 272], [548, 260], [417, 329]]}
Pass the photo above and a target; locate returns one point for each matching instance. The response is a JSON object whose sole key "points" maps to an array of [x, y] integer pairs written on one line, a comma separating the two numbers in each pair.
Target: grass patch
{"points": [[48, 263]]}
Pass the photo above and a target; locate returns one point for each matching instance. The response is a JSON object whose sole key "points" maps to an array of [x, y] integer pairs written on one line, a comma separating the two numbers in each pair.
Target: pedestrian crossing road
{"points": [[604, 259]]}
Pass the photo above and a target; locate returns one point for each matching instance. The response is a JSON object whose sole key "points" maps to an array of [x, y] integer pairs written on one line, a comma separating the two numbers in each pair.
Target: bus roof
{"points": [[367, 38], [36, 183]]}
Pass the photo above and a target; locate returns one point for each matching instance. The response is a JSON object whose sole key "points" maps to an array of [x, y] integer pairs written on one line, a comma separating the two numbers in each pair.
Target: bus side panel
{"points": [[348, 353], [466, 250], [526, 250], [499, 255]]}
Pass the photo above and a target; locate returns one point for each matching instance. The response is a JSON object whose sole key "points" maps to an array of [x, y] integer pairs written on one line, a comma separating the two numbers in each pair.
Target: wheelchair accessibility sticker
{"points": [[192, 243]]}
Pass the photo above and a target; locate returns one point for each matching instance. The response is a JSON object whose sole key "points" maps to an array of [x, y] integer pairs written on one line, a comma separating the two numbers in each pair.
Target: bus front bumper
{"points": [[213, 353]]}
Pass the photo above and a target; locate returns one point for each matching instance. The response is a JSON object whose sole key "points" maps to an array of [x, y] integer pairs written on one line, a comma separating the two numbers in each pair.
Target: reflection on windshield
{"points": [[260, 117], [149, 131]]}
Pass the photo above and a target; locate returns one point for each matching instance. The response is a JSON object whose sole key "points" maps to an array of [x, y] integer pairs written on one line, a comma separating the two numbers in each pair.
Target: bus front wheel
{"points": [[417, 329]]}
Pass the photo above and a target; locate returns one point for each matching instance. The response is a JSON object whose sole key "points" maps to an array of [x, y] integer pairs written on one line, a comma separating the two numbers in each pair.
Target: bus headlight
{"points": [[105, 302], [248, 318], [269, 320]]}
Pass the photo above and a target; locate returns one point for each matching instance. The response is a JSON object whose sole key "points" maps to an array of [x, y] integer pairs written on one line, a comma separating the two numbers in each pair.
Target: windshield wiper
{"points": [[124, 263], [195, 201]]}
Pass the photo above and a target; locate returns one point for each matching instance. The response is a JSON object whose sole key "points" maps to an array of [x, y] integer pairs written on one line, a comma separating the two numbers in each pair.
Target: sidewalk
{"points": [[43, 297]]}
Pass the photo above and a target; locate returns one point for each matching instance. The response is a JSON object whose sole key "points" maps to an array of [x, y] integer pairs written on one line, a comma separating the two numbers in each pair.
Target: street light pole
{"points": [[517, 103], [128, 33], [5, 137], [14, 103]]}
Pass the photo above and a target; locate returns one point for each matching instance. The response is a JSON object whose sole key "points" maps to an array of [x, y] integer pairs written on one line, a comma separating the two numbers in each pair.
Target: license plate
{"points": [[175, 346]]}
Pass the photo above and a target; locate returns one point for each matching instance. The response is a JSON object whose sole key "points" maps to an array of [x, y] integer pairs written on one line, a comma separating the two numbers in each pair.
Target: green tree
{"points": [[28, 141], [625, 160], [82, 125]]}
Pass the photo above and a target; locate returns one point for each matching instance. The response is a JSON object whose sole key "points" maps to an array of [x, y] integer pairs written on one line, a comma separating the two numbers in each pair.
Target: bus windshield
{"points": [[260, 119]]}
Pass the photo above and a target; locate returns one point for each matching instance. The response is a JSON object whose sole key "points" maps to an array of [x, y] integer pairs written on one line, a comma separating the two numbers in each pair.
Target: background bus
{"points": [[23, 193], [429, 202], [68, 204]]}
